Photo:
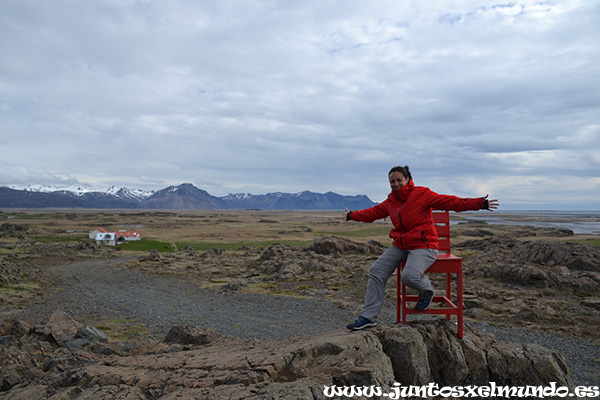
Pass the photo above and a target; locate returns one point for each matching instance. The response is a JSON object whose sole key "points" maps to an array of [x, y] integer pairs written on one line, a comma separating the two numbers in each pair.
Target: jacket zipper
{"points": [[400, 218]]}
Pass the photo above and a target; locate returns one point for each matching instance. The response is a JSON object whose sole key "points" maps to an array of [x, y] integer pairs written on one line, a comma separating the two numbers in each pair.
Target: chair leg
{"points": [[400, 296], [448, 288], [459, 301], [403, 304]]}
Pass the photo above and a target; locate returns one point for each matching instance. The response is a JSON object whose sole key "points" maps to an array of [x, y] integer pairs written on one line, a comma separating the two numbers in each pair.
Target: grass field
{"points": [[204, 229], [595, 242], [200, 230]]}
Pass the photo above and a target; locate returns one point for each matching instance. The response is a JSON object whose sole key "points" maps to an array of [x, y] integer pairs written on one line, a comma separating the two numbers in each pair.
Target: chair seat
{"points": [[447, 257], [446, 263]]}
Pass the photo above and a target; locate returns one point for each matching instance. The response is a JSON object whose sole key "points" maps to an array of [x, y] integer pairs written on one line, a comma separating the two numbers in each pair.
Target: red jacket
{"points": [[409, 208]]}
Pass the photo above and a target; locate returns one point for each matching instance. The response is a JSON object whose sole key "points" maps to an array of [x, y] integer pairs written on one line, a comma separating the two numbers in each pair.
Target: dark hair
{"points": [[403, 170]]}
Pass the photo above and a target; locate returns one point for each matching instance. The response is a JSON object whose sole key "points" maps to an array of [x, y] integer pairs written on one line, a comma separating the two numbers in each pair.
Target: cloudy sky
{"points": [[264, 96]]}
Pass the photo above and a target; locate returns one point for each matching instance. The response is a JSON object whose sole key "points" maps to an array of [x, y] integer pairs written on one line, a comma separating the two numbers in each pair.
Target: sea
{"points": [[580, 222]]}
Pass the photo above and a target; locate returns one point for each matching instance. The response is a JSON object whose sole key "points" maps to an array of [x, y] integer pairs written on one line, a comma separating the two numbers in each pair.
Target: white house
{"points": [[95, 232], [127, 236], [106, 238], [113, 238]]}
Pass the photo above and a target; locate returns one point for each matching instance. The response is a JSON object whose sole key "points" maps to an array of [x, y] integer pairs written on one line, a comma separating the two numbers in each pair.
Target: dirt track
{"points": [[99, 289]]}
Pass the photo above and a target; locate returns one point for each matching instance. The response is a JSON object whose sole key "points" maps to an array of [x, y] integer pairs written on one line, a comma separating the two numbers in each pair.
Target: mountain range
{"points": [[184, 196]]}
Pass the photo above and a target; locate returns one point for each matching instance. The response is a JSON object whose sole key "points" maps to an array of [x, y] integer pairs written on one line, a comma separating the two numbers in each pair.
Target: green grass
{"points": [[595, 242], [237, 245], [152, 244], [147, 245]]}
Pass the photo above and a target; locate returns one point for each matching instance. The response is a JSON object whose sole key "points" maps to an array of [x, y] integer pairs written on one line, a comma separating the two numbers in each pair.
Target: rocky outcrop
{"points": [[484, 229], [479, 358], [13, 230], [191, 335], [284, 262], [335, 246], [200, 364], [536, 263]]}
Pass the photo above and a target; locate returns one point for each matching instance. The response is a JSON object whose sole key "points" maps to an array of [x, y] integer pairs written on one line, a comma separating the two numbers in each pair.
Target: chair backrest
{"points": [[441, 220]]}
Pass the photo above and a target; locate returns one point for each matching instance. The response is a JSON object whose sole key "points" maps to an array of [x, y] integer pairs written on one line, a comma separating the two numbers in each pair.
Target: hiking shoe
{"points": [[423, 304], [361, 323]]}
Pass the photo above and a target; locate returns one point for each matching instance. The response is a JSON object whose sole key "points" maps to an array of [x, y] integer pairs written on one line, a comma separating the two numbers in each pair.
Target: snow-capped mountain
{"points": [[297, 201], [125, 193], [74, 189], [184, 196], [80, 191]]}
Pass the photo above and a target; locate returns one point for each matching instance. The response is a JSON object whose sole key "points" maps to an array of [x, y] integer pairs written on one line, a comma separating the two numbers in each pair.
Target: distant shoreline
{"points": [[580, 222]]}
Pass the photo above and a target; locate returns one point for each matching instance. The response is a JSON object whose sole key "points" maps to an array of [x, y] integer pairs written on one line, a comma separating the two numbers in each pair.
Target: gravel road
{"points": [[100, 287]]}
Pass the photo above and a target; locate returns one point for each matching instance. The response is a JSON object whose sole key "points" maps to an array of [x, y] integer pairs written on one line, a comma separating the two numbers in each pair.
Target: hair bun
{"points": [[403, 170]]}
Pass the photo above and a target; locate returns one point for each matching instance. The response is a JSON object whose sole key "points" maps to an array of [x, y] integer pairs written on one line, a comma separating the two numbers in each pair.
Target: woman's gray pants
{"points": [[413, 276]]}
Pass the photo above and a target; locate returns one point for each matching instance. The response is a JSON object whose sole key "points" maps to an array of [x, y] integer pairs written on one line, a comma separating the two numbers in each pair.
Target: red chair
{"points": [[446, 263]]}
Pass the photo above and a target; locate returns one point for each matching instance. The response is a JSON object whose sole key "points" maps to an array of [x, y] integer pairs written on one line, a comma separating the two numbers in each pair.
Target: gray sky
{"points": [[326, 95]]}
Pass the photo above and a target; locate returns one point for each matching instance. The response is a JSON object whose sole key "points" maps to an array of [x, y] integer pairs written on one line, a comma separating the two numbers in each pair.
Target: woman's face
{"points": [[397, 180]]}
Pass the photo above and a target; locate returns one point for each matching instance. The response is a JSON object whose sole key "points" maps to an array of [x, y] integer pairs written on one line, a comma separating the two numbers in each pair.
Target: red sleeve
{"points": [[454, 203], [376, 212]]}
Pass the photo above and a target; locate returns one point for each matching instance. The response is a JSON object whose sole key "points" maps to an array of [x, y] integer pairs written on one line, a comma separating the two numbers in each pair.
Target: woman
{"points": [[415, 239]]}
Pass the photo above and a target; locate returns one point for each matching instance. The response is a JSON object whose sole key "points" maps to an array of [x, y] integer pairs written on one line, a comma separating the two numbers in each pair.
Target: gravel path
{"points": [[98, 287]]}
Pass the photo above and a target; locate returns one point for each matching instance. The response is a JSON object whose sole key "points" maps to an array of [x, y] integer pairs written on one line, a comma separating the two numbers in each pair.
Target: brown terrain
{"points": [[538, 280]]}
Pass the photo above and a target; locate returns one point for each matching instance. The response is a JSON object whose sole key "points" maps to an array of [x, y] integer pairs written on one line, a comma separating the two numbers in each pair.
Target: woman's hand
{"points": [[492, 204], [345, 216]]}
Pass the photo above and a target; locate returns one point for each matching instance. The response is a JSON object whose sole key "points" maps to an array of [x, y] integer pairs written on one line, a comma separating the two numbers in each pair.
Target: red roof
{"points": [[126, 233]]}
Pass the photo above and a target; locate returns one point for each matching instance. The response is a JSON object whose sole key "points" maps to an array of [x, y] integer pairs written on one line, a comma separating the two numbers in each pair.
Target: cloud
{"points": [[23, 176], [261, 96]]}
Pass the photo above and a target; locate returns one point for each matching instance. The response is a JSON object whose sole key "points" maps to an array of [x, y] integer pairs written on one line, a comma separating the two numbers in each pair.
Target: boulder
{"points": [[275, 251], [152, 256], [92, 334], [235, 284], [15, 327], [408, 353], [185, 334], [336, 246], [62, 327], [519, 365]]}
